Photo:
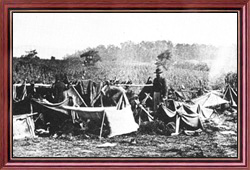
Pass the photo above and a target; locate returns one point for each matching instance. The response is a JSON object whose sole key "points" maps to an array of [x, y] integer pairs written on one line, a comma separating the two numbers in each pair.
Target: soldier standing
{"points": [[159, 89], [59, 88]]}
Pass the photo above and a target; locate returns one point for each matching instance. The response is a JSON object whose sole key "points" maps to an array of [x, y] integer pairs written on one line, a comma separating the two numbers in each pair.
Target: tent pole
{"points": [[101, 100], [31, 107], [150, 117], [31, 110], [177, 124], [100, 137], [139, 120]]}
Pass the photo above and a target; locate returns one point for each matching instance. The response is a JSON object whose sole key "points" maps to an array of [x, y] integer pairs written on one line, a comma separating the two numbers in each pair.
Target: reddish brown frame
{"points": [[240, 5]]}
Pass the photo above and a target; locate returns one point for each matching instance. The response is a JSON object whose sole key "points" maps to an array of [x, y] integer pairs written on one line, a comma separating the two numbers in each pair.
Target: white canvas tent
{"points": [[209, 100], [120, 117], [23, 126]]}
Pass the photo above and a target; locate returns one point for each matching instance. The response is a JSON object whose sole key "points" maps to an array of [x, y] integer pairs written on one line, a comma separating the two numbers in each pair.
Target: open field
{"points": [[218, 139]]}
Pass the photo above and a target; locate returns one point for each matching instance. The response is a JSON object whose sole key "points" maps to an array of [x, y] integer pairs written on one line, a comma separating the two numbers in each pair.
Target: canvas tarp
{"points": [[120, 117], [120, 121], [21, 107], [209, 100], [20, 91], [82, 87], [217, 92], [203, 112], [168, 111], [89, 90], [52, 106], [23, 126], [52, 113], [75, 95], [58, 106], [188, 118]]}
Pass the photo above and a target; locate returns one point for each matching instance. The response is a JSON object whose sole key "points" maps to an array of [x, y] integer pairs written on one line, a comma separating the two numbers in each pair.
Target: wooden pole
{"points": [[151, 117], [135, 85], [100, 137], [101, 100], [31, 110], [31, 107], [177, 124], [139, 120]]}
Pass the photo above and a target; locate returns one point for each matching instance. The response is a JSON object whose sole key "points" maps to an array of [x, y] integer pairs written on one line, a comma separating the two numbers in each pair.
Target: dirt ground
{"points": [[217, 140]]}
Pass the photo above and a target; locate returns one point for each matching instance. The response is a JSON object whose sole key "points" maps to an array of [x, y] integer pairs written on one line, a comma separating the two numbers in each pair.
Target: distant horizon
{"points": [[119, 45], [61, 34]]}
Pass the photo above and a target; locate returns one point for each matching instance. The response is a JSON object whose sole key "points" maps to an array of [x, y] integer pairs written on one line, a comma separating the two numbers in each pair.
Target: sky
{"points": [[59, 34]]}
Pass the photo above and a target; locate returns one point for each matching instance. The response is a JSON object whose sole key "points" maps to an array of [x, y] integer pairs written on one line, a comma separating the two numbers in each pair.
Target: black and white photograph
{"points": [[124, 84]]}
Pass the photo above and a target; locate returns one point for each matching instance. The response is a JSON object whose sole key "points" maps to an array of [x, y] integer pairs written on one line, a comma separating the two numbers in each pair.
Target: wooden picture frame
{"points": [[241, 6]]}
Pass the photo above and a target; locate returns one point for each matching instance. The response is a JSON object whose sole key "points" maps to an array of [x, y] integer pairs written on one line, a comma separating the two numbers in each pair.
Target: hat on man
{"points": [[158, 71]]}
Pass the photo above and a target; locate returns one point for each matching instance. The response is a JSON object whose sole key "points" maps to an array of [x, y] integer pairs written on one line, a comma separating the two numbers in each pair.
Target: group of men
{"points": [[159, 89]]}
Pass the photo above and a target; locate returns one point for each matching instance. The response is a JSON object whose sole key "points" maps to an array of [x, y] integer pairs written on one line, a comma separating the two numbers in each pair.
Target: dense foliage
{"points": [[232, 79], [182, 64]]}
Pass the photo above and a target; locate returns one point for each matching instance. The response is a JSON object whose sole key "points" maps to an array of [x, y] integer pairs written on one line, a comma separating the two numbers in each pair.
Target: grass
{"points": [[209, 144]]}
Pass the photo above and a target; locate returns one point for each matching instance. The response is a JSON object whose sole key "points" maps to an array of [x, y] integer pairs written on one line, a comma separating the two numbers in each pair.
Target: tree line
{"points": [[136, 61]]}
